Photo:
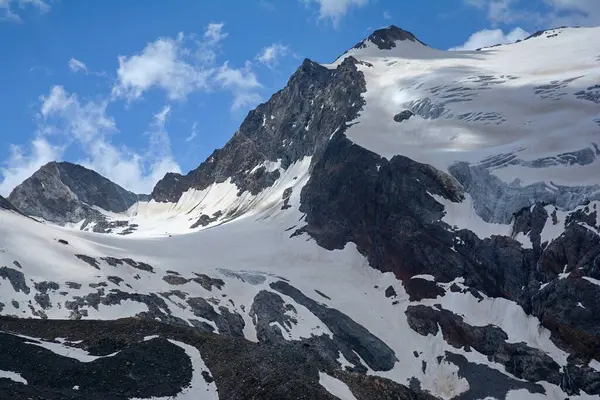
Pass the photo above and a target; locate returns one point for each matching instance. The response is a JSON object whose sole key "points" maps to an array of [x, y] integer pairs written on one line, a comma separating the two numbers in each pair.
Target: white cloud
{"points": [[8, 8], [193, 134], [214, 33], [185, 65], [164, 64], [387, 15], [490, 37], [21, 166], [242, 82], [82, 122], [132, 170], [335, 10], [553, 12], [270, 55], [66, 122], [77, 66]]}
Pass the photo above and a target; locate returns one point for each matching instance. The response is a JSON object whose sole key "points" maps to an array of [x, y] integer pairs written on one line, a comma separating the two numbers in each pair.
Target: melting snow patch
{"points": [[592, 280], [336, 387], [65, 351], [13, 376], [424, 277]]}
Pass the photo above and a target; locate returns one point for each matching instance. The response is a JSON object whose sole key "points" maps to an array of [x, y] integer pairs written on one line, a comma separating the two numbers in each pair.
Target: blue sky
{"points": [[137, 88]]}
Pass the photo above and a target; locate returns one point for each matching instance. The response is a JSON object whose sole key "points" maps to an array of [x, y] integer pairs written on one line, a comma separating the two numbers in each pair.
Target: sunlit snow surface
{"points": [[522, 96]]}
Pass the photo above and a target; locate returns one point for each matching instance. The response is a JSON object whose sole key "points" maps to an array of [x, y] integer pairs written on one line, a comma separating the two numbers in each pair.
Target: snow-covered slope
{"points": [[365, 223], [521, 100]]}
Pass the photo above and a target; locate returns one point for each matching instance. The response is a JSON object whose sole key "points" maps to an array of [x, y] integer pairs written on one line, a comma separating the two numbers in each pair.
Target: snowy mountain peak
{"points": [[387, 38]]}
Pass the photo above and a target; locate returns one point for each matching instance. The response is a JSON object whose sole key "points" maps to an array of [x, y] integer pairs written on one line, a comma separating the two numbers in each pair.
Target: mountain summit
{"points": [[63, 192], [387, 38]]}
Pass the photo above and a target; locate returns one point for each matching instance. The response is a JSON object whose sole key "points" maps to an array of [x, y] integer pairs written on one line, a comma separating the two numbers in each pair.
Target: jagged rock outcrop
{"points": [[295, 123], [5, 204], [63, 192]]}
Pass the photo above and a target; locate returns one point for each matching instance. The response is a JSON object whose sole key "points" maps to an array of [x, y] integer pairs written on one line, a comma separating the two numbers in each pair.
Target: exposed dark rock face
{"points": [[350, 334], [205, 220], [64, 192], [175, 280], [16, 279], [132, 263], [570, 309], [267, 308], [419, 289], [487, 382], [385, 208], [207, 282], [5, 204], [228, 323], [530, 221], [296, 122], [387, 38], [519, 359], [403, 116], [390, 292], [102, 225], [287, 193]]}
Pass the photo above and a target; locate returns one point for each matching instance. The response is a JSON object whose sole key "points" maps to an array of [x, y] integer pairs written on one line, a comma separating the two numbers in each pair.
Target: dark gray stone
{"points": [[175, 280], [45, 286], [228, 323], [64, 192], [487, 382], [16, 279], [267, 308], [403, 116], [207, 282]]}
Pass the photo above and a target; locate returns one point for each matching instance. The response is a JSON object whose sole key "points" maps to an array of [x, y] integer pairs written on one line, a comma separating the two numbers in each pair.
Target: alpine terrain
{"points": [[403, 223]]}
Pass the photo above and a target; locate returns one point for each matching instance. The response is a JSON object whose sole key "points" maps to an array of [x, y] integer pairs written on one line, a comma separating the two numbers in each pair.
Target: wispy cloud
{"points": [[387, 15], [77, 66], [490, 37], [335, 10], [193, 134], [10, 9], [242, 82], [271, 55], [24, 161]]}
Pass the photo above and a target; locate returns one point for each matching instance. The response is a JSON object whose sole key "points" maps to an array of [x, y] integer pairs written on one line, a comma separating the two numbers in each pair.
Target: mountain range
{"points": [[402, 223]]}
